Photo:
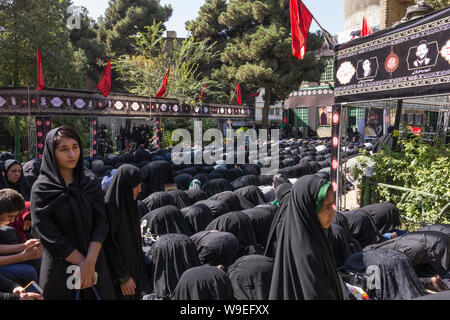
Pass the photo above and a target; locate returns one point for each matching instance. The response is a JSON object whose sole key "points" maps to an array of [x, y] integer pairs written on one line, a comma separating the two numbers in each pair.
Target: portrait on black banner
{"points": [[424, 55], [367, 68]]}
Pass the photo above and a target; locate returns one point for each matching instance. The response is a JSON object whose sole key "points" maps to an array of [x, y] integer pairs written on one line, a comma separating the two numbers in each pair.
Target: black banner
{"points": [[410, 60]]}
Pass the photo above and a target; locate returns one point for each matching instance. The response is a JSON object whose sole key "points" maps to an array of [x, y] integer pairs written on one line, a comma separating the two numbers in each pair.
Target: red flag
{"points": [[40, 74], [238, 91], [105, 83], [162, 90], [365, 28], [300, 22], [203, 92], [256, 94]]}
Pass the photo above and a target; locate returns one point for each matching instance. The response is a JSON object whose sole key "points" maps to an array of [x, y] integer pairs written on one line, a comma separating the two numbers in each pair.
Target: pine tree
{"points": [[85, 38], [437, 4], [124, 18], [255, 36]]}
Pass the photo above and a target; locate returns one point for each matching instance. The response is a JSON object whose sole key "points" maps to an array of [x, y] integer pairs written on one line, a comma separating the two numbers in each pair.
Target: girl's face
{"points": [[67, 153], [136, 191], [7, 218], [14, 173], [328, 211], [26, 225]]}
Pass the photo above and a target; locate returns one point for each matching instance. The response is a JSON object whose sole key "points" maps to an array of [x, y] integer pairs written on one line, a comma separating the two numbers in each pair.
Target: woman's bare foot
{"points": [[438, 284]]}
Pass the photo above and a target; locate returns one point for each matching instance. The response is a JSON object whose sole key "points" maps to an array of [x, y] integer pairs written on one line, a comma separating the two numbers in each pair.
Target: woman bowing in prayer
{"points": [[68, 215], [123, 245], [305, 268]]}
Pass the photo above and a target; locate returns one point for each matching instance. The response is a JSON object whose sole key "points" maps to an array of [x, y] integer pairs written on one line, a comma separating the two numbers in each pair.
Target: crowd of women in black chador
{"points": [[226, 232]]}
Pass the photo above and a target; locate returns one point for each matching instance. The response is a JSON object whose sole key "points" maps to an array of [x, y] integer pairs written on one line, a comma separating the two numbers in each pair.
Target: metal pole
{"points": [[398, 114], [17, 139]]}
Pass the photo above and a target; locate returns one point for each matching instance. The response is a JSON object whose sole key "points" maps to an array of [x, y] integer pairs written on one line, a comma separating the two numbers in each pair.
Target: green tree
{"points": [[86, 39], [258, 50], [143, 72], [24, 24], [124, 18], [437, 4]]}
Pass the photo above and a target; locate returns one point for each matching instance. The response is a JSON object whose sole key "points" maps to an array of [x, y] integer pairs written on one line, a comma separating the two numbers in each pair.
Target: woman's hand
{"points": [[23, 295], [32, 252], [30, 296], [128, 287], [87, 277], [18, 290], [31, 242]]}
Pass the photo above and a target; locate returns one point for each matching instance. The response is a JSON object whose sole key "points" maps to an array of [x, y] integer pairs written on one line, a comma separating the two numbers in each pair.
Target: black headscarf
{"points": [[158, 199], [444, 228], [250, 196], [203, 283], [195, 195], [340, 243], [216, 248], [251, 277], [341, 220], [215, 186], [279, 180], [31, 170], [362, 227], [282, 193], [230, 198], [83, 220], [385, 216], [123, 246], [9, 235], [142, 208], [197, 216], [180, 199], [183, 180], [216, 207], [22, 186], [240, 225], [167, 219], [305, 268], [261, 218], [397, 279], [171, 255], [429, 251], [154, 178], [202, 177]]}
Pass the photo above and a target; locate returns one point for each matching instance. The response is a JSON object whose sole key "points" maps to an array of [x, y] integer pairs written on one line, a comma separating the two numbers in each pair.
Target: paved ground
{"points": [[349, 201]]}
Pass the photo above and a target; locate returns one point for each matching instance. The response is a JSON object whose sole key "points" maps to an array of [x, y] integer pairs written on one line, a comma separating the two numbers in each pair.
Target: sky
{"points": [[328, 12]]}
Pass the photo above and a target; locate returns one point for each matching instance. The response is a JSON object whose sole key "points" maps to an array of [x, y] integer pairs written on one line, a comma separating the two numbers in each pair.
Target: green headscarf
{"points": [[321, 197]]}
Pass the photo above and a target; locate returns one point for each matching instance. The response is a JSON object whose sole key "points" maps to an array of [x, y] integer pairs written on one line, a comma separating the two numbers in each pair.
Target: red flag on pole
{"points": [[162, 90], [256, 94], [203, 92], [238, 91], [300, 22], [105, 83], [40, 74], [365, 28]]}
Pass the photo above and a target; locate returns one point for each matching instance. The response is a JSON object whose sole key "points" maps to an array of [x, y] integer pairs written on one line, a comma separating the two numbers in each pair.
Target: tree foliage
{"points": [[437, 4], [86, 39], [143, 72], [257, 51], [125, 18], [420, 166], [24, 25]]}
